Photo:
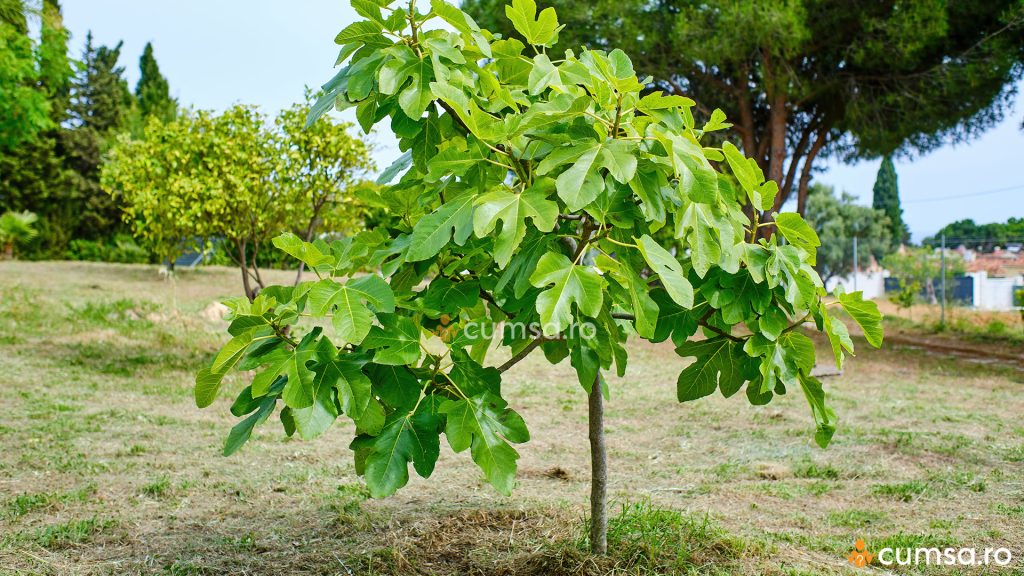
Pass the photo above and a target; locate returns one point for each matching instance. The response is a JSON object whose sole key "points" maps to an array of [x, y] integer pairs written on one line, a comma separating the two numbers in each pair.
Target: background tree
{"points": [[229, 177], [152, 92], [983, 237], [24, 106], [924, 266], [54, 65], [807, 78], [33, 175], [886, 197], [99, 110], [837, 220], [201, 177], [907, 294], [534, 185]]}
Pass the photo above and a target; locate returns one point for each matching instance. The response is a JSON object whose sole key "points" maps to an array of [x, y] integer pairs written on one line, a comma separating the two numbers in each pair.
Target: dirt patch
{"points": [[996, 354]]}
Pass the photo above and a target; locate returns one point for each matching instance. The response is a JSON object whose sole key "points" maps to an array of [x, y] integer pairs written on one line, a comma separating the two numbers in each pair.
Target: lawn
{"points": [[107, 466]]}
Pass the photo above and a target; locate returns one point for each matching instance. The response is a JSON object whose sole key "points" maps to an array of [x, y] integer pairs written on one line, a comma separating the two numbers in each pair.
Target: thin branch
{"points": [[584, 241], [704, 322], [798, 323], [490, 299], [284, 335], [721, 332], [522, 353]]}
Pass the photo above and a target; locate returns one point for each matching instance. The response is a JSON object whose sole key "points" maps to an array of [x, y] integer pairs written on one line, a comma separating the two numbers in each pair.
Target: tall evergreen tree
{"points": [[100, 98], [54, 65], [101, 105], [886, 197], [153, 92], [12, 13]]}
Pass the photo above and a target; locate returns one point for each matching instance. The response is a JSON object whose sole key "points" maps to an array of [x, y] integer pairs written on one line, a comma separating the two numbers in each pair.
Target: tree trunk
{"points": [[244, 265], [598, 472], [308, 237], [805, 174], [777, 152]]}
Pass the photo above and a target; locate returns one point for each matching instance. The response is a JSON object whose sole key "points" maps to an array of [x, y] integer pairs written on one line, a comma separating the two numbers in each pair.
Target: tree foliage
{"points": [[923, 266], [837, 220], [886, 197], [100, 107], [979, 236], [531, 185], [55, 168], [33, 174], [806, 78], [24, 106], [152, 93], [16, 229], [229, 176]]}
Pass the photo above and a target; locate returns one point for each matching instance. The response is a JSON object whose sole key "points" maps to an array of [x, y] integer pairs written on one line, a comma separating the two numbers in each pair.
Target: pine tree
{"points": [[100, 99], [887, 198], [153, 91], [100, 109]]}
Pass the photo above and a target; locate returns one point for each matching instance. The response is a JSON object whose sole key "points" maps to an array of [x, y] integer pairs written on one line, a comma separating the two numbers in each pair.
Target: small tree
{"points": [[837, 221], [904, 299], [230, 176], [323, 166], [532, 187], [924, 267]]}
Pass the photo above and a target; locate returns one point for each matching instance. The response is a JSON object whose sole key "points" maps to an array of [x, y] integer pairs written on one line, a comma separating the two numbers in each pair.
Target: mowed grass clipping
{"points": [[107, 467]]}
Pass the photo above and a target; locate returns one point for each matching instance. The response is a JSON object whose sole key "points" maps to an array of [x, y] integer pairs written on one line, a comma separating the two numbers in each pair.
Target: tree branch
{"points": [[522, 353], [805, 174], [786, 186]]}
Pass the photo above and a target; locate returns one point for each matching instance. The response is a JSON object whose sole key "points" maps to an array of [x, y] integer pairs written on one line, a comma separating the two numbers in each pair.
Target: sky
{"points": [[216, 53]]}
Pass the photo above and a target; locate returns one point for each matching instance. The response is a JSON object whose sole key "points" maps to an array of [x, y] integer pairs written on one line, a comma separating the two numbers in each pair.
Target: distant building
{"points": [[999, 263]]}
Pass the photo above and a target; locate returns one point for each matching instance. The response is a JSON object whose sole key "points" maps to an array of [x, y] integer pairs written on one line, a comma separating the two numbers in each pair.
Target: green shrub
{"points": [[996, 328], [121, 248]]}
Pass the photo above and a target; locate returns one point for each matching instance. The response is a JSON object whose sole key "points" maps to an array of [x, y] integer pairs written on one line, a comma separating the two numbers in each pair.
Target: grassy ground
{"points": [[107, 467], [982, 326]]}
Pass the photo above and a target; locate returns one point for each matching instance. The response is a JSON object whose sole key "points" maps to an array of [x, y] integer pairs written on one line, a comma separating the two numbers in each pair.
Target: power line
{"points": [[970, 195], [977, 238]]}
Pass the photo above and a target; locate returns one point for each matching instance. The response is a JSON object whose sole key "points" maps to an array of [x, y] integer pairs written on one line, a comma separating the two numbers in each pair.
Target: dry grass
{"points": [[106, 466], [989, 327]]}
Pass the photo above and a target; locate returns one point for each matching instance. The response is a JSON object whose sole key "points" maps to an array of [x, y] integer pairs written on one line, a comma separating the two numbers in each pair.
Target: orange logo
{"points": [[444, 331], [860, 557]]}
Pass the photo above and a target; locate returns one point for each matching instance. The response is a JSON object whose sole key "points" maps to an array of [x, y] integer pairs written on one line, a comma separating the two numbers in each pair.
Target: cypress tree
{"points": [[153, 91], [887, 198]]}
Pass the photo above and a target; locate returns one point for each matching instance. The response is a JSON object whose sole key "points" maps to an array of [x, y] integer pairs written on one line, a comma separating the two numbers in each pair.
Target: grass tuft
{"points": [[158, 488], [807, 468], [643, 539], [903, 491], [71, 533], [25, 503], [856, 518]]}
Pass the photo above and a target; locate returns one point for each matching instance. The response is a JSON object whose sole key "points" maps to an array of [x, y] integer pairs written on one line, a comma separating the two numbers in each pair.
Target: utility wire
{"points": [[969, 195]]}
